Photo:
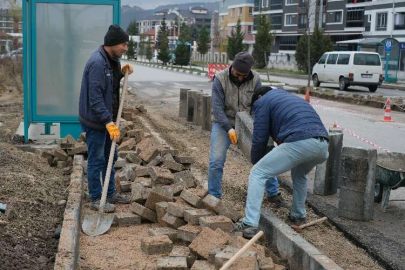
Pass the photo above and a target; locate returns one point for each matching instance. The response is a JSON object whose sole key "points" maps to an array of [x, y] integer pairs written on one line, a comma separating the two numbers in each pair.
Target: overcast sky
{"points": [[151, 4]]}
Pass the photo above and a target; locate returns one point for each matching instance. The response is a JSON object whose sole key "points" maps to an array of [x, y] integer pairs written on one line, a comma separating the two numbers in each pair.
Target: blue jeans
{"points": [[219, 146], [99, 147], [300, 157]]}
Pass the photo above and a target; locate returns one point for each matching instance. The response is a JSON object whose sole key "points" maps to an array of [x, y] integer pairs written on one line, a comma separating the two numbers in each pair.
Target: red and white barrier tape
{"points": [[316, 104]]}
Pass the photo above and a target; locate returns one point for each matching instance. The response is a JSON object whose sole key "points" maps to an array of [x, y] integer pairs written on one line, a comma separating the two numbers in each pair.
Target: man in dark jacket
{"points": [[302, 144], [98, 109]]}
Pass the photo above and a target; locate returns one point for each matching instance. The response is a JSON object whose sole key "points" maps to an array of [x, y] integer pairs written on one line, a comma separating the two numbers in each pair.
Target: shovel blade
{"points": [[97, 224]]}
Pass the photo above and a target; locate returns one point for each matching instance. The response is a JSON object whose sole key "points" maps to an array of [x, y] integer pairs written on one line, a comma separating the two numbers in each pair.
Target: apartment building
{"points": [[10, 33]]}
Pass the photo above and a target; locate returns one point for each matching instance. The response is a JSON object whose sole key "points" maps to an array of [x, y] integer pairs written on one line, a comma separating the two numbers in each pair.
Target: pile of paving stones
{"points": [[196, 229]]}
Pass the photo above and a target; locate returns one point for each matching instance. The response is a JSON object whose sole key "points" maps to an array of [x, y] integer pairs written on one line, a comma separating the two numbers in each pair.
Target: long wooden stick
{"points": [[313, 222], [242, 250]]}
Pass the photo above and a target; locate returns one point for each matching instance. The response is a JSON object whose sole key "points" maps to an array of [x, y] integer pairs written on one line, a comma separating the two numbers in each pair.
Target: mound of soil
{"points": [[31, 189]]}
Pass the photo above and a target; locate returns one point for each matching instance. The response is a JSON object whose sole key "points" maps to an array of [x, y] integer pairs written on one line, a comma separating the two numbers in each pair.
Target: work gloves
{"points": [[113, 131], [129, 67], [232, 136]]}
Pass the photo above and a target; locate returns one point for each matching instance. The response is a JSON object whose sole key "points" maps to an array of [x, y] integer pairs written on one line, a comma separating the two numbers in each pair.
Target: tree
{"points": [[16, 14], [203, 40], [132, 29], [183, 53], [194, 32], [149, 53], [131, 49], [235, 41], [163, 43], [320, 44], [264, 39]]}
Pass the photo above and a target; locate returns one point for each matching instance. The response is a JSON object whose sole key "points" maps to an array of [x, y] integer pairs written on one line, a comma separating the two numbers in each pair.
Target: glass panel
{"points": [[332, 59], [362, 59], [343, 59], [67, 34]]}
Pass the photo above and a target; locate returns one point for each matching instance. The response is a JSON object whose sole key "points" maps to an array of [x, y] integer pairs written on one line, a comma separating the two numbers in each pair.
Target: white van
{"points": [[349, 69]]}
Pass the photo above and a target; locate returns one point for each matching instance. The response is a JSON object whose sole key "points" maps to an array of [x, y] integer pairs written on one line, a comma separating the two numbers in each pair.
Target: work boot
{"points": [[278, 201], [297, 220], [108, 207], [118, 198], [247, 230]]}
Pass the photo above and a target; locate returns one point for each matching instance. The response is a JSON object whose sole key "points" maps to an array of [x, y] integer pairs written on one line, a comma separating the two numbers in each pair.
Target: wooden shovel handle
{"points": [[242, 250], [313, 222]]}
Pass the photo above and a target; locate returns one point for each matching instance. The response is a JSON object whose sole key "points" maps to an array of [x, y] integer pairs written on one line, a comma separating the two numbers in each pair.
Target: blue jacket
{"points": [[96, 94], [286, 118]]}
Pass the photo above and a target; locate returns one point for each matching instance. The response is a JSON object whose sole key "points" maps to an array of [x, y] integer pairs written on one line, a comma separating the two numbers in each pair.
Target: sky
{"points": [[151, 4]]}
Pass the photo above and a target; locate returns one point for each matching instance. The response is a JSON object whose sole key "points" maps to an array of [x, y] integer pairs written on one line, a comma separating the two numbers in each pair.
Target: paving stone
{"points": [[164, 190], [188, 232], [246, 261], [279, 267], [127, 145], [161, 208], [170, 232], [171, 263], [160, 244], [157, 161], [161, 176], [186, 177], [143, 212], [141, 108], [140, 171], [184, 159], [202, 265], [125, 219], [177, 209], [215, 222], [211, 203], [154, 198], [145, 193], [191, 198], [125, 186], [266, 264], [177, 188], [124, 174], [70, 139], [145, 181], [172, 152], [145, 144], [173, 165], [208, 240], [227, 209], [200, 192], [80, 148], [60, 154], [173, 221], [82, 137], [120, 163], [137, 134], [167, 157], [62, 164], [132, 157], [137, 190], [66, 146], [123, 154], [260, 250], [180, 251], [193, 216], [212, 254], [149, 154]]}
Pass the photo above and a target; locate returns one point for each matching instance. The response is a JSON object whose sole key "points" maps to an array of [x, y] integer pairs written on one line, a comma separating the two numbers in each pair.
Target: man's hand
{"points": [[232, 136], [251, 165], [129, 67], [113, 131]]}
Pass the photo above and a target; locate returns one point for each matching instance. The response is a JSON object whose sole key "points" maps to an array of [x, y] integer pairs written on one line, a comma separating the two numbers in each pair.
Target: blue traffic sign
{"points": [[388, 44], [402, 46]]}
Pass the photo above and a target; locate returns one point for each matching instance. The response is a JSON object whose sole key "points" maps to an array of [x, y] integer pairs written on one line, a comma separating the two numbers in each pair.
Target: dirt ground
{"points": [[196, 142], [32, 190]]}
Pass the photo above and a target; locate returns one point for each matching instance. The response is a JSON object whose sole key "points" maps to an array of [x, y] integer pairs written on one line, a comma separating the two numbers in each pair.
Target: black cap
{"points": [[115, 35], [243, 62]]}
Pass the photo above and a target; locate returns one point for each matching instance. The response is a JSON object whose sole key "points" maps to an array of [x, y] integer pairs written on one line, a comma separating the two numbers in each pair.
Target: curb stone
{"points": [[68, 249], [173, 69]]}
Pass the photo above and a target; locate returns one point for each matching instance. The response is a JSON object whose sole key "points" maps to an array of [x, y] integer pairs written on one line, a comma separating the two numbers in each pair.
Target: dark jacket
{"points": [[286, 118], [96, 94]]}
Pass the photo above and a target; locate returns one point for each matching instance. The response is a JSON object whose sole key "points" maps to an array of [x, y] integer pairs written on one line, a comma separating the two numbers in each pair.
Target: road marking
{"points": [[156, 83]]}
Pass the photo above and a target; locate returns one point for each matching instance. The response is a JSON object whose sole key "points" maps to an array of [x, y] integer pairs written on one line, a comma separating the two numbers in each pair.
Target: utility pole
{"points": [[309, 42], [212, 37], [320, 14]]}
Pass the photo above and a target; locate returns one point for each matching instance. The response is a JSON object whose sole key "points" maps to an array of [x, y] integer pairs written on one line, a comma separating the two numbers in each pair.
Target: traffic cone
{"points": [[387, 115], [307, 96]]}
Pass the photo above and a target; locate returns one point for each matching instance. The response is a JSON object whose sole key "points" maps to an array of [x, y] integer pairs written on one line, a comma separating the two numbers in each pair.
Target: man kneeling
{"points": [[302, 144]]}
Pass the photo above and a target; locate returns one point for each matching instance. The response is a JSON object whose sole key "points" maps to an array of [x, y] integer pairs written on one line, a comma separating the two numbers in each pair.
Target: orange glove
{"points": [[251, 165], [114, 131], [129, 67], [232, 136]]}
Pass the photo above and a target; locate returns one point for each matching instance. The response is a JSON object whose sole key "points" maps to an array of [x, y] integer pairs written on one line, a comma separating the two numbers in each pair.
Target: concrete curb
{"points": [[292, 247], [68, 250], [173, 69]]}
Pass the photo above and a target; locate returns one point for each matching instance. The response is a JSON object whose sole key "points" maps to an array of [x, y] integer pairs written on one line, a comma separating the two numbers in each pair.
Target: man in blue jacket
{"points": [[98, 109], [302, 144]]}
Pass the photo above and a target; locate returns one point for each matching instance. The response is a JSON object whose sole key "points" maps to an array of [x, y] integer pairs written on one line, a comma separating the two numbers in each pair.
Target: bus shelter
{"points": [[59, 37]]}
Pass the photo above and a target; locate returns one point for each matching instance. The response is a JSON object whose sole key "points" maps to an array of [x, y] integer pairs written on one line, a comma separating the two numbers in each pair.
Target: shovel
{"points": [[95, 224]]}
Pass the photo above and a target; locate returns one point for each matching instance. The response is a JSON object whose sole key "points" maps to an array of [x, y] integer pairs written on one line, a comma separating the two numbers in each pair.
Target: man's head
{"points": [[116, 41], [241, 65], [259, 93]]}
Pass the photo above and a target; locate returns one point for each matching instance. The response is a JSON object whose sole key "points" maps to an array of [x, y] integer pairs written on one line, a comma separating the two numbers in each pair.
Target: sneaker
{"points": [[118, 198], [278, 201], [108, 207], [298, 220], [247, 230]]}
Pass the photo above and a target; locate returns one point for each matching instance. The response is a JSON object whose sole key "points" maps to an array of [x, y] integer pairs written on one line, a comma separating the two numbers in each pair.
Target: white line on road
{"points": [[156, 83]]}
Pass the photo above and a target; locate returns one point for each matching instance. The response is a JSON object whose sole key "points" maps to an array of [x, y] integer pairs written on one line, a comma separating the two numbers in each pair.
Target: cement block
{"points": [[208, 240], [140, 171], [197, 120], [206, 112], [193, 216], [120, 163], [126, 219], [191, 97], [137, 134], [177, 209], [137, 190], [184, 159], [202, 265], [187, 233], [216, 222], [173, 165], [154, 198], [160, 244], [80, 148], [60, 154], [132, 157], [125, 186], [146, 182], [164, 190], [145, 144], [171, 263], [183, 102], [171, 233], [161, 176], [211, 203], [328, 174], [177, 188], [157, 161], [191, 198], [143, 212], [127, 145], [149, 154], [212, 254], [357, 186], [186, 177], [266, 264], [173, 221], [246, 261], [161, 209], [226, 208], [180, 251], [173, 152]]}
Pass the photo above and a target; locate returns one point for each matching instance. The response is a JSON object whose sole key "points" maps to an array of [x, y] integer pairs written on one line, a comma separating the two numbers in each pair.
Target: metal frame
{"points": [[29, 48]]}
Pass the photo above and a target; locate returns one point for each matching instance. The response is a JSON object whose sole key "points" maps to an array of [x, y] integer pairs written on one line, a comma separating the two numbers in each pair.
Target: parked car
{"points": [[350, 68]]}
